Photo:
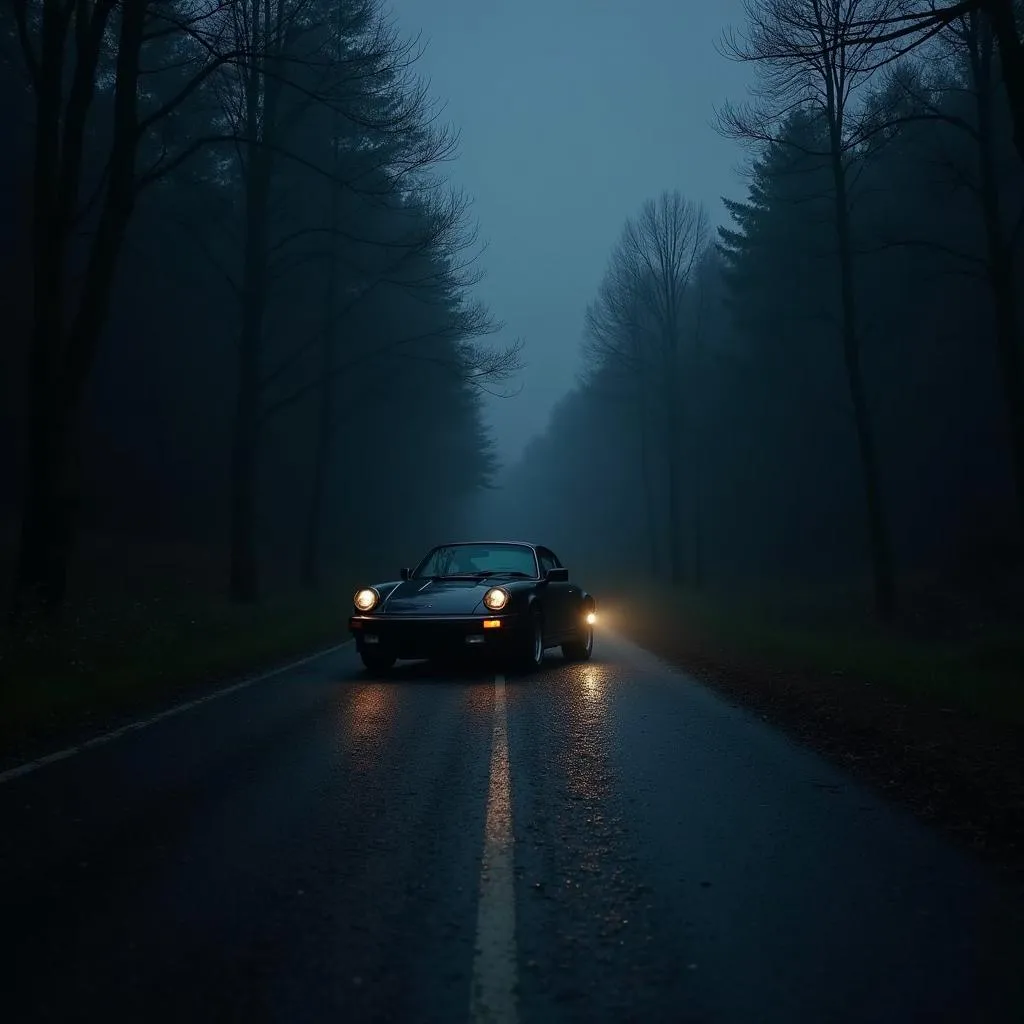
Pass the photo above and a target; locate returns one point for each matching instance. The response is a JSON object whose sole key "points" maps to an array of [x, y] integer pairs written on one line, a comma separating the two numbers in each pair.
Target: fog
{"points": [[571, 114], [323, 287]]}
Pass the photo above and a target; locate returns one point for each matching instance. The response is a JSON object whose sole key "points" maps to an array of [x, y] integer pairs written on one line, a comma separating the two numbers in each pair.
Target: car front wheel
{"points": [[531, 655], [582, 647], [377, 660]]}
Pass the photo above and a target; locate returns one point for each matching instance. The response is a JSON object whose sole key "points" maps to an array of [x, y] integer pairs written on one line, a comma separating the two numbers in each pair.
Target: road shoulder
{"points": [[46, 741], [954, 770]]}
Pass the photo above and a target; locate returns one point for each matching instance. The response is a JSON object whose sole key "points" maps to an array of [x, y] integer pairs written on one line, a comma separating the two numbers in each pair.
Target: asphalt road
{"points": [[600, 842]]}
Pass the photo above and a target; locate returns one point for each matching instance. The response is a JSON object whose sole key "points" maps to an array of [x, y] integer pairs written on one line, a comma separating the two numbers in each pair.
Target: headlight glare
{"points": [[496, 599], [366, 599]]}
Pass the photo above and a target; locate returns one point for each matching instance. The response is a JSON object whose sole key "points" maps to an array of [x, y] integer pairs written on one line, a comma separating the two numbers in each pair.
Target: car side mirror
{"points": [[560, 575], [405, 574]]}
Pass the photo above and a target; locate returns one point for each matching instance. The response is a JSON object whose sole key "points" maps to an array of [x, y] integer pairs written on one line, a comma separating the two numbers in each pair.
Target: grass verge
{"points": [[980, 671], [110, 661]]}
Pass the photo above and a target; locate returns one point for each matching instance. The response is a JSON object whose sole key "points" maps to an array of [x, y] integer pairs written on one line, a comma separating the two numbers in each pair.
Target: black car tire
{"points": [[581, 648], [531, 656], [377, 660]]}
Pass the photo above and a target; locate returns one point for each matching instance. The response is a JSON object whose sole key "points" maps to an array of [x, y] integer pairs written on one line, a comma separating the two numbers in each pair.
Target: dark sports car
{"points": [[508, 598]]}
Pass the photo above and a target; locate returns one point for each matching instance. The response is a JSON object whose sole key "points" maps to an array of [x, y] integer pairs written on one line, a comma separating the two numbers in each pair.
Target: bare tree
{"points": [[264, 30], [916, 22], [809, 54], [637, 323]]}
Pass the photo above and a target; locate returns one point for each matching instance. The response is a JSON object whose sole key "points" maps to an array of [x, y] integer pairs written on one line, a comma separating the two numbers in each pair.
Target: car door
{"points": [[558, 598]]}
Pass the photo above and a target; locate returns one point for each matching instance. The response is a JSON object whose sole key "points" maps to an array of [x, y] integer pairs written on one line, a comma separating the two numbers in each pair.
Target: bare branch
{"points": [[634, 327], [482, 366]]}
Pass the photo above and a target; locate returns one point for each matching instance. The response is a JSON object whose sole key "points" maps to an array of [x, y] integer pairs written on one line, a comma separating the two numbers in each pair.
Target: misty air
{"points": [[512, 513]]}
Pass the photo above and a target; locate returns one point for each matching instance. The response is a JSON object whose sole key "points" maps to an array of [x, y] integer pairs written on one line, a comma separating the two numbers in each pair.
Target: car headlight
{"points": [[366, 599], [496, 599]]}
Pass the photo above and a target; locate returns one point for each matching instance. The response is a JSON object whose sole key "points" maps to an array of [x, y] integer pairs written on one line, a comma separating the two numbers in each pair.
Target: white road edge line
{"points": [[96, 741], [494, 984]]}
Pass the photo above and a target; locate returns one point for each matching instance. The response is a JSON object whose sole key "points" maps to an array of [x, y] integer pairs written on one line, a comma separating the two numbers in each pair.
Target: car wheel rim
{"points": [[538, 643]]}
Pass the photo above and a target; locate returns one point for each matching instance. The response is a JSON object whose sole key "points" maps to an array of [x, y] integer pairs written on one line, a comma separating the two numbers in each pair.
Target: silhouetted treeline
{"points": [[728, 368], [235, 290]]}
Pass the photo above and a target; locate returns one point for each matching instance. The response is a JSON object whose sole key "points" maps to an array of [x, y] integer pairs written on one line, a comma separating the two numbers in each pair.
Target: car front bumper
{"points": [[429, 636]]}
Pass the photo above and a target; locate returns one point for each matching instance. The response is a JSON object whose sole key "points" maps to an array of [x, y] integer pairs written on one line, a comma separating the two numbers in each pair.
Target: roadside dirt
{"points": [[956, 771]]}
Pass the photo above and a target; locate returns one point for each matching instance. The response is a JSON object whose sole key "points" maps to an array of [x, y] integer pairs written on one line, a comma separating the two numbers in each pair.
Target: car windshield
{"points": [[478, 560]]}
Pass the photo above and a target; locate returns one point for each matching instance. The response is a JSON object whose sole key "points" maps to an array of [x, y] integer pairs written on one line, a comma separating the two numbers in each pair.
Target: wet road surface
{"points": [[598, 842]]}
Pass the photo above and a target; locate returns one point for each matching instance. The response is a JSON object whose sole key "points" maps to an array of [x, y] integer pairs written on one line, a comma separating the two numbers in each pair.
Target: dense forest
{"points": [[829, 386], [237, 300], [236, 292]]}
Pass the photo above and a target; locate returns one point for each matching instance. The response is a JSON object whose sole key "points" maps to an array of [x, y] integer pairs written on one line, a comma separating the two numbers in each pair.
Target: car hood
{"points": [[437, 597]]}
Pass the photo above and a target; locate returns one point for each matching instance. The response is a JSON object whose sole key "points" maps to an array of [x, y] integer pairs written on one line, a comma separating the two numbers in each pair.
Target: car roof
{"points": [[519, 543]]}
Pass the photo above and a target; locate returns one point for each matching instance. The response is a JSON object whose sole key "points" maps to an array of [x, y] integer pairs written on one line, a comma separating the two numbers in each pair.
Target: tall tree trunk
{"points": [[244, 564], [262, 92], [244, 569], [878, 534], [324, 435], [1000, 260], [673, 419], [1011, 369], [262, 130], [649, 497], [59, 365], [677, 558], [698, 543], [696, 463], [48, 506], [698, 533], [1011, 59], [309, 571], [39, 584]]}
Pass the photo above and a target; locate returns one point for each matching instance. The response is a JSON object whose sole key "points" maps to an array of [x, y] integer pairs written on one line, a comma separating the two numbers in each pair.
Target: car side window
{"points": [[547, 561]]}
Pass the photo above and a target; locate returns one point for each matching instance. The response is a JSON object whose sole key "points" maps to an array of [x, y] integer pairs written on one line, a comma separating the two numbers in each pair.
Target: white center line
{"points": [[493, 992], [107, 737]]}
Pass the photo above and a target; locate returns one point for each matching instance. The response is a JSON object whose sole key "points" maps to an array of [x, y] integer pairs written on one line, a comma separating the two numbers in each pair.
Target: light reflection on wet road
{"points": [[600, 842], [368, 712]]}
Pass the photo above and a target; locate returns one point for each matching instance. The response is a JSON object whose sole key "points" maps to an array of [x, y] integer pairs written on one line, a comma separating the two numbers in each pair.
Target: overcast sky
{"points": [[571, 113]]}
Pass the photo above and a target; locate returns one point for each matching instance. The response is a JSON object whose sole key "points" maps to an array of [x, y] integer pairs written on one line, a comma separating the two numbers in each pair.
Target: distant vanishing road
{"points": [[599, 842]]}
